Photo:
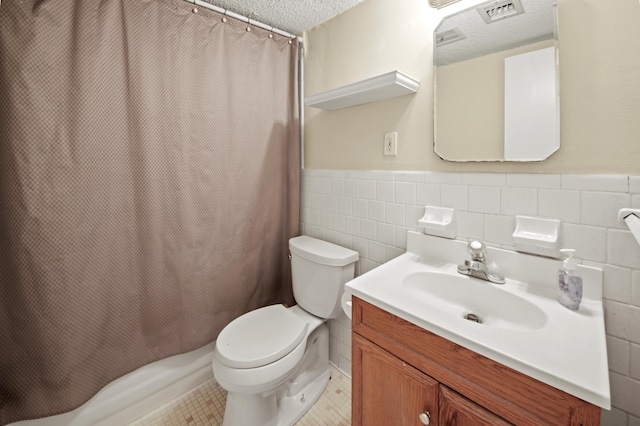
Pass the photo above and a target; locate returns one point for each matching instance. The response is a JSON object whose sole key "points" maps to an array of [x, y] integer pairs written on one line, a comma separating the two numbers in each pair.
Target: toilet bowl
{"points": [[274, 361]]}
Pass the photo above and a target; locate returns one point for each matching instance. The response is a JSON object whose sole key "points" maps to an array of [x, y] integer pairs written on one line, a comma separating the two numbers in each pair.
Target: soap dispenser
{"points": [[569, 282]]}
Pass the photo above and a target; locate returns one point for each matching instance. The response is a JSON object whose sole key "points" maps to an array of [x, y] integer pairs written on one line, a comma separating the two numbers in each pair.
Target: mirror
{"points": [[496, 82]]}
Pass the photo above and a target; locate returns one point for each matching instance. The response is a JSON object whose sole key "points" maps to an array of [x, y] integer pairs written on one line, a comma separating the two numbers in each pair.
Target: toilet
{"points": [[274, 361]]}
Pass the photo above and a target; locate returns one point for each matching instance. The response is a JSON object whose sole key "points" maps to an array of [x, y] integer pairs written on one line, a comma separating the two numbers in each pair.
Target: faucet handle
{"points": [[476, 250]]}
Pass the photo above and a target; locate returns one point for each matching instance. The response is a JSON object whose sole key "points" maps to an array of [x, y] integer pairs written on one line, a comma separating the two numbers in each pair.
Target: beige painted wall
{"points": [[473, 91], [599, 80]]}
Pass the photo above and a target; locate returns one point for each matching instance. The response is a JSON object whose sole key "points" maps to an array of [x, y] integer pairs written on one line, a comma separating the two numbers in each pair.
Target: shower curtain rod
{"points": [[241, 18]]}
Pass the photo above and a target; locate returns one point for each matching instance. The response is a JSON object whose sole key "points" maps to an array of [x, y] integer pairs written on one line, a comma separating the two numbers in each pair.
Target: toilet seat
{"points": [[244, 343]]}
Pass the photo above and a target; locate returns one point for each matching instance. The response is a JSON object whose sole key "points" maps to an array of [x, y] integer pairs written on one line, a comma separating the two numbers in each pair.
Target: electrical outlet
{"points": [[391, 143]]}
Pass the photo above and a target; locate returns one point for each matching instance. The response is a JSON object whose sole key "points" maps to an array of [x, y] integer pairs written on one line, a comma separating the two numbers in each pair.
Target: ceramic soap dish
{"points": [[438, 221], [536, 235]]}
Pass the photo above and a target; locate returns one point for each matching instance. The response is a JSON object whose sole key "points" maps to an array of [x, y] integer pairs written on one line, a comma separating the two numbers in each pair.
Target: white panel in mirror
{"points": [[530, 106], [469, 81]]}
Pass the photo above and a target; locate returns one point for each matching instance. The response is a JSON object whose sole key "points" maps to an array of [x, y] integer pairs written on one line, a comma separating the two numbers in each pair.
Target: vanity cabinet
{"points": [[406, 375], [393, 392]]}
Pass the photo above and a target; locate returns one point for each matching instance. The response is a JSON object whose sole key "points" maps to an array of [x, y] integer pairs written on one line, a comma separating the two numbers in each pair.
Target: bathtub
{"points": [[137, 393]]}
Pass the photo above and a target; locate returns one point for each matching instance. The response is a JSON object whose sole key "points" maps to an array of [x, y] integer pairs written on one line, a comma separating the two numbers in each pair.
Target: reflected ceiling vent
{"points": [[441, 3], [498, 10], [449, 36]]}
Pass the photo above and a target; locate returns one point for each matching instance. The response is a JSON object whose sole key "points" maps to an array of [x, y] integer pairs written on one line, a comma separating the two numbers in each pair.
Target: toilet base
{"points": [[292, 408], [288, 403], [256, 409]]}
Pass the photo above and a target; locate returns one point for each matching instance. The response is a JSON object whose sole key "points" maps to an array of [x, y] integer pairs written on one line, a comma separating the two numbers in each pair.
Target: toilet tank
{"points": [[319, 271]]}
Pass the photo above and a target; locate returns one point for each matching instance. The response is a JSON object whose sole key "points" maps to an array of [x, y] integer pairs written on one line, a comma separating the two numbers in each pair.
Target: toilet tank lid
{"points": [[321, 252]]}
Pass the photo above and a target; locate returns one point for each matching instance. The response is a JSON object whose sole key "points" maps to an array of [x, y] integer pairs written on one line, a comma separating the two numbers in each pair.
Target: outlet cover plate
{"points": [[391, 143]]}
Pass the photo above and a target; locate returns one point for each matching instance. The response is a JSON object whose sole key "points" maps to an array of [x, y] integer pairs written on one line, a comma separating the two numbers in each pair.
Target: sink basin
{"points": [[470, 299]]}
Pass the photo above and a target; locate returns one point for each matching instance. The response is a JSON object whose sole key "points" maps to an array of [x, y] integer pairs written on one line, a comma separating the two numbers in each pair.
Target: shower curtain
{"points": [[149, 183]]}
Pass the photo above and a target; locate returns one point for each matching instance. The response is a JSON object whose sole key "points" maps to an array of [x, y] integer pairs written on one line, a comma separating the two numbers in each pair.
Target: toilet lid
{"points": [[260, 337]]}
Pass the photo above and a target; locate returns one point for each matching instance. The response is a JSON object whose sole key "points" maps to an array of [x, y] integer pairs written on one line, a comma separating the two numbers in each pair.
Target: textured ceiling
{"points": [[537, 23], [293, 16], [297, 16]]}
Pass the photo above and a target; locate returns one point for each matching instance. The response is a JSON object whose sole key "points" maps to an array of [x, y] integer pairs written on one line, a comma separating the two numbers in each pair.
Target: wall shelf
{"points": [[384, 86]]}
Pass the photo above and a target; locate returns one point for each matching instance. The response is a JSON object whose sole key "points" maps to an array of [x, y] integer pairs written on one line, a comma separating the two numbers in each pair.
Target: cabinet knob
{"points": [[425, 417]]}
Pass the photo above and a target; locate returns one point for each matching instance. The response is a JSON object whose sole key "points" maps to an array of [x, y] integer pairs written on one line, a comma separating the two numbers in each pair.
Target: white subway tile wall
{"points": [[371, 211]]}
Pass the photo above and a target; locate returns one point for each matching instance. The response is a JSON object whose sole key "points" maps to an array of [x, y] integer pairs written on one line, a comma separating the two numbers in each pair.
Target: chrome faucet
{"points": [[476, 267]]}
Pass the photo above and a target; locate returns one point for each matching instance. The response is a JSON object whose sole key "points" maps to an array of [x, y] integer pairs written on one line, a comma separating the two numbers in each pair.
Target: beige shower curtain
{"points": [[149, 169]]}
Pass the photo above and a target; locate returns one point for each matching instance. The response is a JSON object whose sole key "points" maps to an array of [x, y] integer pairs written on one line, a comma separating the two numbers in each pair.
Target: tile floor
{"points": [[204, 405]]}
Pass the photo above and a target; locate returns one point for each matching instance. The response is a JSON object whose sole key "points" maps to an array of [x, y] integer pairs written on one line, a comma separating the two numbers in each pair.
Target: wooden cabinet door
{"points": [[387, 391], [456, 410]]}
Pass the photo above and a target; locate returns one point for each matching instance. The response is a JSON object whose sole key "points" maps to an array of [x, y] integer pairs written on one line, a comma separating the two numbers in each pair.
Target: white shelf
{"points": [[373, 89]]}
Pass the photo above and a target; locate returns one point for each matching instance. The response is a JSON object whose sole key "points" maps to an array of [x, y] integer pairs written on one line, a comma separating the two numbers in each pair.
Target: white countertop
{"points": [[567, 352]]}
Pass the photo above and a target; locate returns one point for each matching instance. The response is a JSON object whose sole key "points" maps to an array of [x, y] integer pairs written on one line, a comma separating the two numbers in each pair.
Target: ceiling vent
{"points": [[449, 36], [498, 10]]}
